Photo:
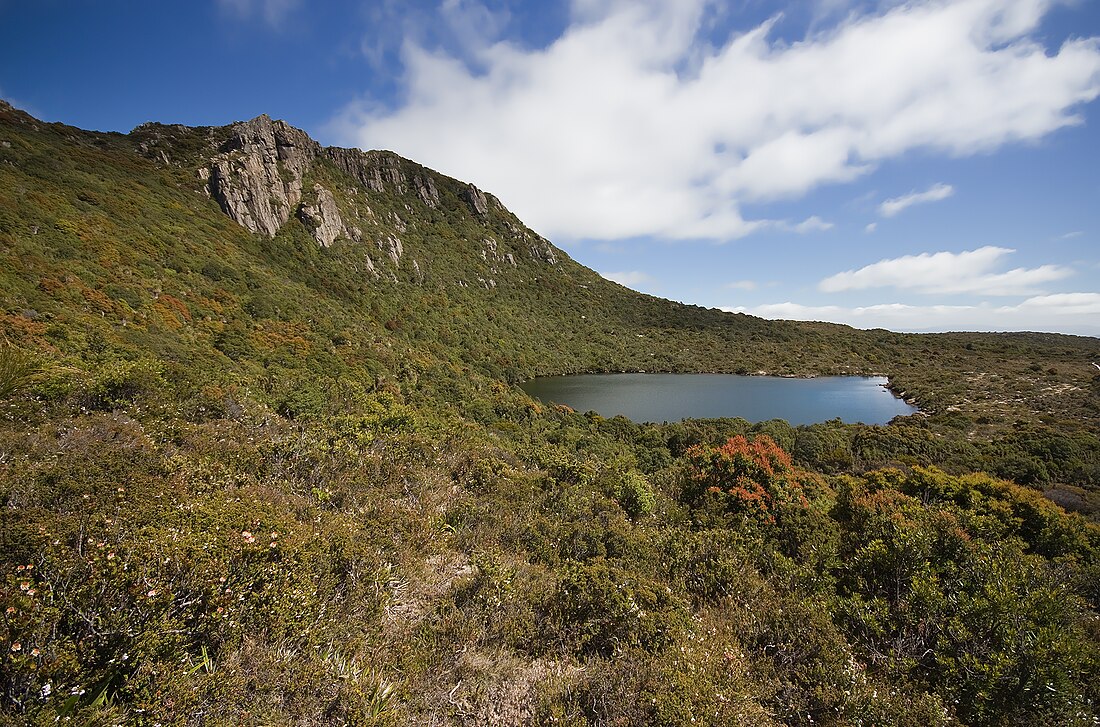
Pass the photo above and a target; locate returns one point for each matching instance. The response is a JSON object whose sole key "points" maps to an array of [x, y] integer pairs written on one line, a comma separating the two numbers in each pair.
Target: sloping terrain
{"points": [[437, 261], [262, 461]]}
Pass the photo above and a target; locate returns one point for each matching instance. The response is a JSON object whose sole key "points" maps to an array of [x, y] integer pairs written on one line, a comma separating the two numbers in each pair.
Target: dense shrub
{"points": [[941, 590], [741, 477], [599, 608]]}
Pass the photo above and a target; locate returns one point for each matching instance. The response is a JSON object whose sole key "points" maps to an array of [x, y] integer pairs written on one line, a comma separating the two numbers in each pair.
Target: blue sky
{"points": [[921, 165]]}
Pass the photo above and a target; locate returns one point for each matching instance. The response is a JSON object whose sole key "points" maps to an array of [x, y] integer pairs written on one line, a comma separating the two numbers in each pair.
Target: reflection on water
{"points": [[672, 397]]}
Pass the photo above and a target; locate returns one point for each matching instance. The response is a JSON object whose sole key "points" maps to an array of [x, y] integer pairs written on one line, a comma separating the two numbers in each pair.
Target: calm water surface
{"points": [[671, 397]]}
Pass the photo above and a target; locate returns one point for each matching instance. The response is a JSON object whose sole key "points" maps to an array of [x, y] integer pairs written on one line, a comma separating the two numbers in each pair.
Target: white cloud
{"points": [[1067, 304], [629, 278], [473, 25], [1077, 313], [273, 12], [935, 193], [810, 224], [629, 125], [743, 285], [871, 227], [972, 271]]}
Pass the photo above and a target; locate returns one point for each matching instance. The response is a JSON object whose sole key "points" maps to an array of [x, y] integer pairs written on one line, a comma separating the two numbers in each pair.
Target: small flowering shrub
{"points": [[742, 477]]}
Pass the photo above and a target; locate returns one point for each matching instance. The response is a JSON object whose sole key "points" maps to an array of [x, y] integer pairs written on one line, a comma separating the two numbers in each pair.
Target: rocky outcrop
{"points": [[542, 250], [368, 266], [476, 199], [323, 218], [392, 247], [491, 254], [257, 175], [426, 191], [373, 169]]}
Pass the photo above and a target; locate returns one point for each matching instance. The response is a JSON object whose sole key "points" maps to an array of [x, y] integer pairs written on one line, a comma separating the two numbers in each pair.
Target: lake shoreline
{"points": [[644, 396]]}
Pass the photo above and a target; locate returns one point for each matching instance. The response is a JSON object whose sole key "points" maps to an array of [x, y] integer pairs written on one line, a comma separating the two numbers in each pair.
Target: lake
{"points": [[672, 397]]}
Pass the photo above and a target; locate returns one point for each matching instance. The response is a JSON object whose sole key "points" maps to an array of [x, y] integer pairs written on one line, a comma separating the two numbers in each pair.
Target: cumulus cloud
{"points": [[1065, 312], [871, 227], [473, 25], [935, 193], [630, 124], [972, 272], [629, 278]]}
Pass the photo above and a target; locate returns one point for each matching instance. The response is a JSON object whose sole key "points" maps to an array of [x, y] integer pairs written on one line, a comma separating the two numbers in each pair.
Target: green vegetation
{"points": [[253, 480]]}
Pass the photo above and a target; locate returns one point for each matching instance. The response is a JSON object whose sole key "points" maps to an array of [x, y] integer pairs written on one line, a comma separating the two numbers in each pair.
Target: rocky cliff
{"points": [[265, 173], [257, 176]]}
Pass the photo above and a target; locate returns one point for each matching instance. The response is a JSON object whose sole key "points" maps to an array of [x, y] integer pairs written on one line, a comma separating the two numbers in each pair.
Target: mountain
{"points": [[374, 231], [262, 459], [370, 229]]}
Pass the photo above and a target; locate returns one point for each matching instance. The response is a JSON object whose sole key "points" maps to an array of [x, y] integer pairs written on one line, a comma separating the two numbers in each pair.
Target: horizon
{"points": [[787, 160]]}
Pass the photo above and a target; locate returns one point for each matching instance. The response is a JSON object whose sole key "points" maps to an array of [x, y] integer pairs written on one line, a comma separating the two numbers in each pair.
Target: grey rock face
{"points": [[492, 254], [476, 199], [541, 249], [257, 177], [392, 247], [323, 218], [373, 169], [368, 266], [258, 173], [426, 191]]}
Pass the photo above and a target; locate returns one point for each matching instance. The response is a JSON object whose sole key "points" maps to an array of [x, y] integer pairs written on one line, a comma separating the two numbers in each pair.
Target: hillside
{"points": [[263, 460], [134, 217]]}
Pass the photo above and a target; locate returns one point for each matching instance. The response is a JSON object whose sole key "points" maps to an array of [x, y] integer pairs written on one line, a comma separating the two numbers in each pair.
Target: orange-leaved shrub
{"points": [[747, 477]]}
